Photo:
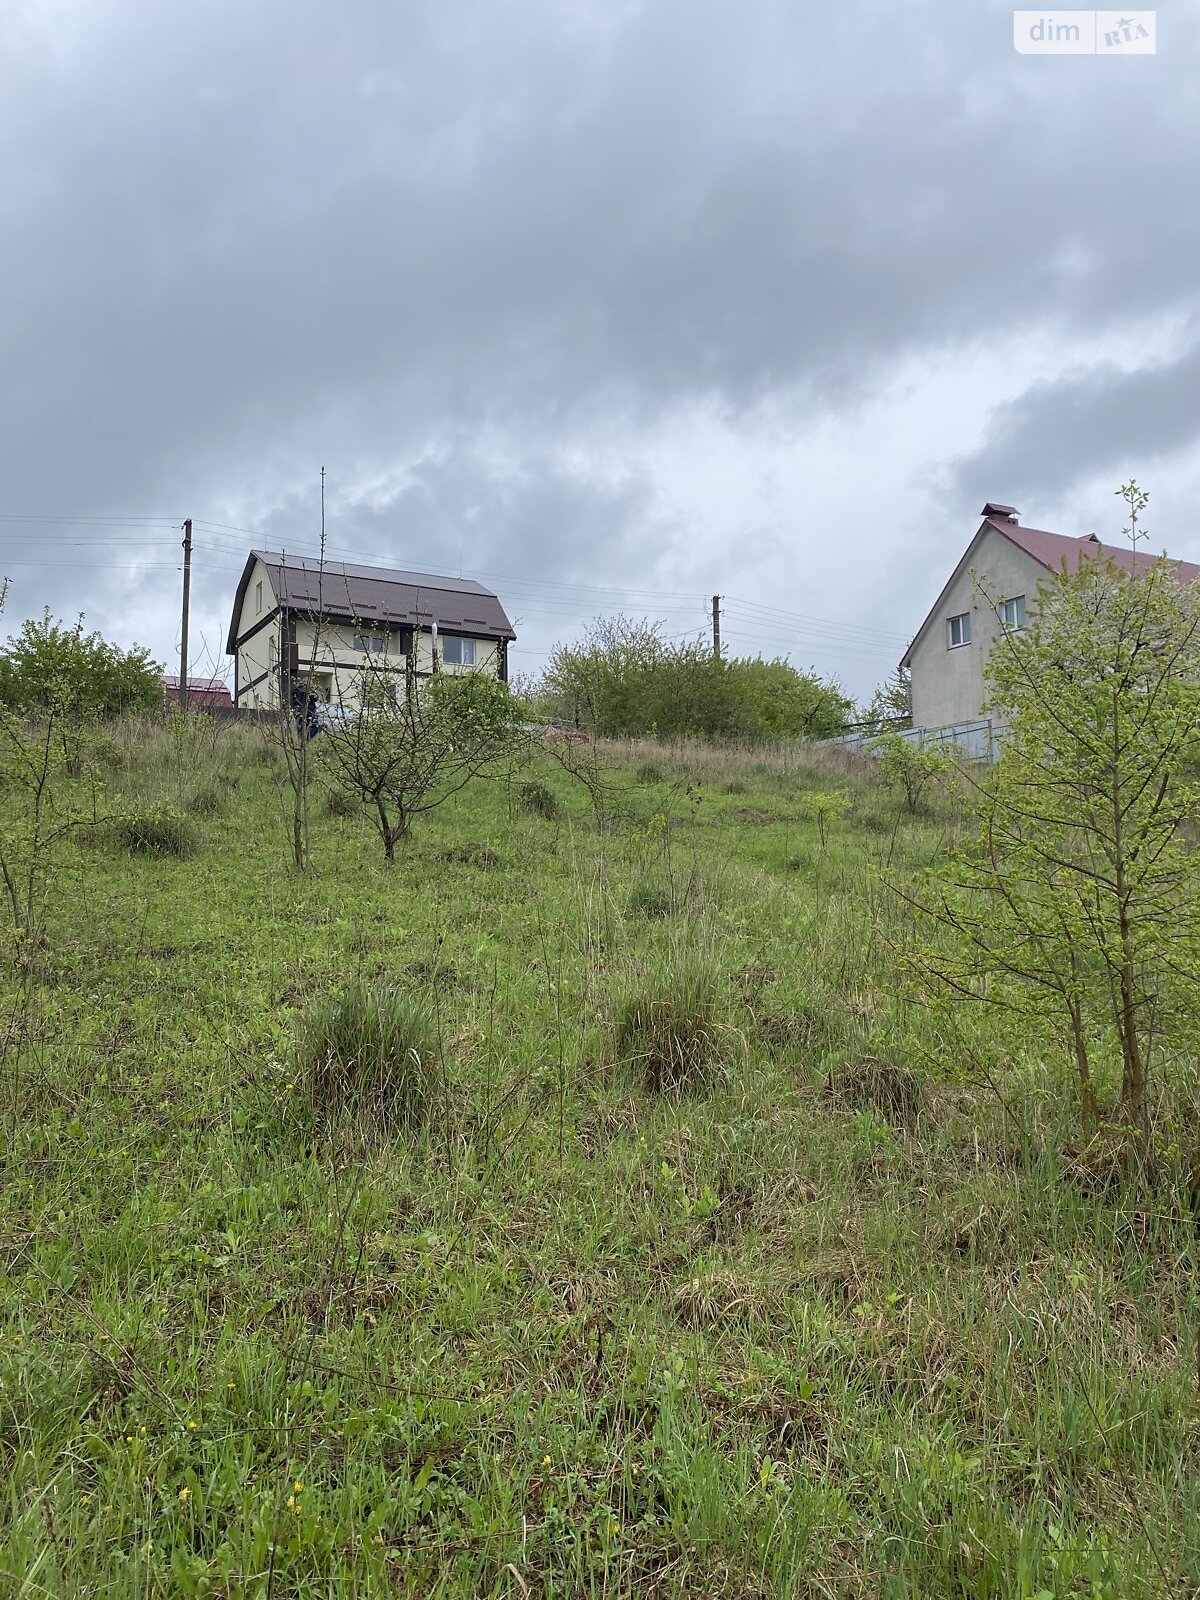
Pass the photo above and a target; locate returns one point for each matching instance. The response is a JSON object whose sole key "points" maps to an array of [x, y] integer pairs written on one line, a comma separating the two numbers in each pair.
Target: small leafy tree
{"points": [[907, 767], [403, 754], [42, 750], [48, 661], [891, 704], [1077, 903]]}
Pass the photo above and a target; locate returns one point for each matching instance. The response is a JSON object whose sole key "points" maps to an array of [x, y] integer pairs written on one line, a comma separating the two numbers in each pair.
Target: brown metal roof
{"points": [[376, 594]]}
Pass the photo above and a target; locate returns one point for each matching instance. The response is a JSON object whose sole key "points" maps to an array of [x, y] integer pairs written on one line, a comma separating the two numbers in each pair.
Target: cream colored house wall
{"points": [[327, 650], [486, 655], [255, 656], [948, 683]]}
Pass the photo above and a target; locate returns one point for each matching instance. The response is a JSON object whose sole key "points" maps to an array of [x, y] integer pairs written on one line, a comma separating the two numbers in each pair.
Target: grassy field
{"points": [[835, 1322]]}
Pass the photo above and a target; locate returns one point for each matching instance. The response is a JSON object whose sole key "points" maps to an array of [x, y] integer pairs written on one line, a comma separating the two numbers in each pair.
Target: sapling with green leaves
{"points": [[1076, 905], [908, 767], [403, 754]]}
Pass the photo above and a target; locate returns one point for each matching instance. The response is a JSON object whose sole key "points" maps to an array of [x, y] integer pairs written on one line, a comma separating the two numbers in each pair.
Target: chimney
{"points": [[1003, 513]]}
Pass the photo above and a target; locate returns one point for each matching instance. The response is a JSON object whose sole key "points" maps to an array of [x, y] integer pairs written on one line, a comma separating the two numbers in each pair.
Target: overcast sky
{"points": [[612, 304]]}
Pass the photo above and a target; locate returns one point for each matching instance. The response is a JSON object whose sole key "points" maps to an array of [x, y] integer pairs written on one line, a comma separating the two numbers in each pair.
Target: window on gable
{"points": [[258, 598], [1012, 613], [458, 652], [958, 630]]}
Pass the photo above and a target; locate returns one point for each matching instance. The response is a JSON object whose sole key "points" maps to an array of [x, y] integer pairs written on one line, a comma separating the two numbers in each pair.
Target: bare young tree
{"points": [[401, 752], [295, 722]]}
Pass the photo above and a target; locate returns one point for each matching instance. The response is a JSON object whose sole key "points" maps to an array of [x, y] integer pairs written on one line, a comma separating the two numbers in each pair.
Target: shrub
{"points": [[49, 665], [650, 772], [908, 767], [159, 831], [338, 804], [369, 1048], [670, 1025], [540, 800]]}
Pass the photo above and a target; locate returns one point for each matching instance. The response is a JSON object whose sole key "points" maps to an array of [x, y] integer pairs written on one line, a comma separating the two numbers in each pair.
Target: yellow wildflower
{"points": [[184, 1493]]}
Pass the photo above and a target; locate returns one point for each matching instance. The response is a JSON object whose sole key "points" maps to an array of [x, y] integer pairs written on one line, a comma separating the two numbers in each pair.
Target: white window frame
{"points": [[464, 651], [370, 643], [1012, 621], [258, 598], [964, 638]]}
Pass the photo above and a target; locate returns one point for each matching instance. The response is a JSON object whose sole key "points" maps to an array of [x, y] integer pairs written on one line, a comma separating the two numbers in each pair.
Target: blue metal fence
{"points": [[979, 740]]}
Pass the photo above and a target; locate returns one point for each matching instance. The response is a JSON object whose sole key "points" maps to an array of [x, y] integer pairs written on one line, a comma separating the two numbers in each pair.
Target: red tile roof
{"points": [[1052, 549]]}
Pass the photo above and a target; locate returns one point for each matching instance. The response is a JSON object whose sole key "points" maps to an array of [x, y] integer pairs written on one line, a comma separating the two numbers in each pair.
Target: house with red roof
{"points": [[948, 654]]}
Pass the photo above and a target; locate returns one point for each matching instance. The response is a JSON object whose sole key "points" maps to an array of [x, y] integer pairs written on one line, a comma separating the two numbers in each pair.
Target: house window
{"points": [[371, 643], [959, 630], [1012, 613], [458, 652], [258, 597]]}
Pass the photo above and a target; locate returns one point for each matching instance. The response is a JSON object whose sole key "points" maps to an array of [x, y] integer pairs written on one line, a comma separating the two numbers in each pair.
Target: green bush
{"points": [[624, 679], [157, 831], [650, 772], [370, 1048], [671, 1026], [540, 800], [49, 666], [907, 767]]}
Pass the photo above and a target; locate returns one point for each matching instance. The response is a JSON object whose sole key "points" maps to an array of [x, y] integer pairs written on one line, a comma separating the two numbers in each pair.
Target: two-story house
{"points": [[948, 654], [296, 620]]}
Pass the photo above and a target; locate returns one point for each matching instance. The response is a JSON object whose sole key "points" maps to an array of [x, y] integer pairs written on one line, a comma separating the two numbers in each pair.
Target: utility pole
{"points": [[187, 599], [716, 627]]}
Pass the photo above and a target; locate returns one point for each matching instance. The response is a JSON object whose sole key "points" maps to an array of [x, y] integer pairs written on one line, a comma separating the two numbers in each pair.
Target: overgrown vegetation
{"points": [[1075, 907], [624, 679], [371, 1048], [696, 1259], [47, 662]]}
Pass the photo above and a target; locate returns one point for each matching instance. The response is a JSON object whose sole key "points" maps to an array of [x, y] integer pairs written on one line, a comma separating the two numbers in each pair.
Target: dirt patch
{"points": [[876, 1085]]}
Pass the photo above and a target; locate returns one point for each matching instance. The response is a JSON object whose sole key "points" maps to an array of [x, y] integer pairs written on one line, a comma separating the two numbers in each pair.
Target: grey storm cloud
{"points": [[409, 240], [1062, 431]]}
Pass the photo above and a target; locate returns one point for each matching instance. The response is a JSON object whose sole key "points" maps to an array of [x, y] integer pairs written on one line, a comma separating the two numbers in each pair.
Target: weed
{"points": [[208, 801], [672, 1025], [875, 1085], [369, 1048], [338, 804], [648, 899], [157, 831], [540, 800]]}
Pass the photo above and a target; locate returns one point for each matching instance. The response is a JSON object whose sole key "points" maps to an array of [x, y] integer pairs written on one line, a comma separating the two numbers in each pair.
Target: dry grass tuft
{"points": [[876, 1085]]}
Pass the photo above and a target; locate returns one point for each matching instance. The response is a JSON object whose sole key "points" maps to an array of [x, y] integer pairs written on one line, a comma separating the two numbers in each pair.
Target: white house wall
{"points": [[948, 683]]}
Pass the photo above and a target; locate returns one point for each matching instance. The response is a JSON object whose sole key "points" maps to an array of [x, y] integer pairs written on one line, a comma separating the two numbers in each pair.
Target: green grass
{"points": [[837, 1325]]}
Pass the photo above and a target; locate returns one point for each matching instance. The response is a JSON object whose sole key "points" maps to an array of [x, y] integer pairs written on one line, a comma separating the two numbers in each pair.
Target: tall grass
{"points": [[370, 1048]]}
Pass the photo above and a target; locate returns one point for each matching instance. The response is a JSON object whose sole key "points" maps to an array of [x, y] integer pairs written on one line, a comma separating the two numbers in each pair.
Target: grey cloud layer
{"points": [[242, 240]]}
